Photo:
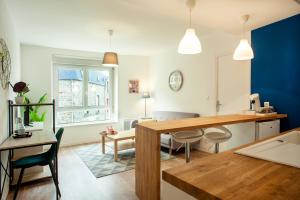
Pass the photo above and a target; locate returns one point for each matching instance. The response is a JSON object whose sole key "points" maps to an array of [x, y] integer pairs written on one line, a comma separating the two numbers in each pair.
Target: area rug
{"points": [[103, 164]]}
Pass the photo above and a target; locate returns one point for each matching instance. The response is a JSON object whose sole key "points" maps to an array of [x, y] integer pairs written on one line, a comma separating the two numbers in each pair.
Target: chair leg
{"points": [[187, 152], [171, 147], [217, 148], [19, 183], [54, 178]]}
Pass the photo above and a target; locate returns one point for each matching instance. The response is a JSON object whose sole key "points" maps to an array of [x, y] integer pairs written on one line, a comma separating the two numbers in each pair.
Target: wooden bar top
{"points": [[231, 176], [203, 122]]}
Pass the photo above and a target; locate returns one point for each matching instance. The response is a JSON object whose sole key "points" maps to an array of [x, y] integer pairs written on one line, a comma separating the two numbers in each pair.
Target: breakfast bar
{"points": [[148, 174]]}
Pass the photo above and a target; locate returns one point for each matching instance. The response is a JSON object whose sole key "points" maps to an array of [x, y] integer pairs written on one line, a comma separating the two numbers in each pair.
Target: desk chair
{"points": [[43, 159]]}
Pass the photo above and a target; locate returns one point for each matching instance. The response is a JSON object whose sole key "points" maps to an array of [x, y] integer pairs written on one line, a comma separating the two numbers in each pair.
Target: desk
{"points": [[38, 138], [147, 172]]}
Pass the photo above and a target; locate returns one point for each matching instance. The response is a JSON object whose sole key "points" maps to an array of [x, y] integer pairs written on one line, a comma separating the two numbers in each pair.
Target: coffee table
{"points": [[116, 138]]}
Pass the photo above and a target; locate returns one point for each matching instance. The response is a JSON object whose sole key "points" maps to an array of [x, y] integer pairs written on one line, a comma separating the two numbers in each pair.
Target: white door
{"points": [[233, 89], [233, 85]]}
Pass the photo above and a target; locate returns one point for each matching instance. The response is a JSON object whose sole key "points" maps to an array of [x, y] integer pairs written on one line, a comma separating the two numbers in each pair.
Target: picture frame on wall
{"points": [[133, 86]]}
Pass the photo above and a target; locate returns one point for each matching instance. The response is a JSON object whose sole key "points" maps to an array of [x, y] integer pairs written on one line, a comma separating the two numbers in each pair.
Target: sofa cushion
{"points": [[170, 115], [165, 139]]}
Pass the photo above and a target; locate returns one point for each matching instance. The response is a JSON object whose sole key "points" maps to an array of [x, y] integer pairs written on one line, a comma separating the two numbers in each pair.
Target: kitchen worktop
{"points": [[231, 176], [209, 121]]}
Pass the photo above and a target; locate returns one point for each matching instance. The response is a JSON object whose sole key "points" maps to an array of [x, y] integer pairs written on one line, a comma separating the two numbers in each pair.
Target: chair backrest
{"points": [[58, 136]]}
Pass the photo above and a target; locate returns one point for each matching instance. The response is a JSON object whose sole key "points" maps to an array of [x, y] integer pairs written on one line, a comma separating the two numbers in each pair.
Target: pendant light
{"points": [[110, 58], [190, 44], [243, 50]]}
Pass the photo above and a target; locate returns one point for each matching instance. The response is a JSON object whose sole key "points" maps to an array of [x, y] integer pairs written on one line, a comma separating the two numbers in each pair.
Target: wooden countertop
{"points": [[203, 122], [232, 176]]}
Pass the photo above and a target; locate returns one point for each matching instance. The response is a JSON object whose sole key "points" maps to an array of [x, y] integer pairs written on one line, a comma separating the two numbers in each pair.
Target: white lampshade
{"points": [[146, 95], [189, 44], [243, 51]]}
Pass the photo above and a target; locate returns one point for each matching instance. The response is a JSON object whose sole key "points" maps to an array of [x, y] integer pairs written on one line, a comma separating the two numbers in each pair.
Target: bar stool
{"points": [[218, 136], [187, 137]]}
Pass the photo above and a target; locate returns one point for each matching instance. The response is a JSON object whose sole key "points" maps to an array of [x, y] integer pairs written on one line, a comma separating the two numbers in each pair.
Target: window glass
{"points": [[98, 83], [70, 87], [84, 94]]}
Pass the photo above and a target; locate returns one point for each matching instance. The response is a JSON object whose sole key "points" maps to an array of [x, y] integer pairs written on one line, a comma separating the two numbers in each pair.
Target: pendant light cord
{"points": [[245, 20], [244, 34], [190, 21], [190, 4], [110, 33]]}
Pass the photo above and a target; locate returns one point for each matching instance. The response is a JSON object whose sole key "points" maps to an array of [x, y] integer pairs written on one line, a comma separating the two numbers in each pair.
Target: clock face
{"points": [[175, 81], [5, 64]]}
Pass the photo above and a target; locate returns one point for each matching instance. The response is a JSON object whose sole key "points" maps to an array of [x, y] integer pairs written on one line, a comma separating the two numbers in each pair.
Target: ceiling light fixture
{"points": [[190, 43], [110, 58], [243, 50]]}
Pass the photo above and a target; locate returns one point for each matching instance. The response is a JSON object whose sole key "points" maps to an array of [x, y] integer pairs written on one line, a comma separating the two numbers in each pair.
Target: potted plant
{"points": [[35, 117], [20, 88]]}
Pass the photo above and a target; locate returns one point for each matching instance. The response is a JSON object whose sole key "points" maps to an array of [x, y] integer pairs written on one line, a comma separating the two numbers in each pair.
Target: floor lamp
{"points": [[145, 95]]}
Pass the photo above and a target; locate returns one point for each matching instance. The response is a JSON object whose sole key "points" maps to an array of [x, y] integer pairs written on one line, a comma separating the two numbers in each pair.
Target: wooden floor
{"points": [[78, 183]]}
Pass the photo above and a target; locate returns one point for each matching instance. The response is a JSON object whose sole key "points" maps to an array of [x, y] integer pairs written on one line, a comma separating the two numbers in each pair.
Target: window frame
{"points": [[85, 68]]}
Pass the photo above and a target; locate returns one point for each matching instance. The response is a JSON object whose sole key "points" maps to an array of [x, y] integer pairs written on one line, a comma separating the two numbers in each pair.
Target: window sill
{"points": [[108, 122]]}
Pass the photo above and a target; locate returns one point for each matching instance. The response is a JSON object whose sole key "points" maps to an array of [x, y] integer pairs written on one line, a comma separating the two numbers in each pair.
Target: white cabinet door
{"points": [[268, 129]]}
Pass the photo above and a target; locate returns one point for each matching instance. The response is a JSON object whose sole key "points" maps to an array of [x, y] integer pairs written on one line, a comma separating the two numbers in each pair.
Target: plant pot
{"points": [[38, 125], [19, 99]]}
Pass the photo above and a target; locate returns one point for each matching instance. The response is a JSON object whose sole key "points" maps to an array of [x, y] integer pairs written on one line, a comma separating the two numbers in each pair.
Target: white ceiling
{"points": [[142, 27]]}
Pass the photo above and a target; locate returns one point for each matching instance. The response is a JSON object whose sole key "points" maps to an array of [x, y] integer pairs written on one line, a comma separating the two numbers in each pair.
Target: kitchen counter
{"points": [[203, 122], [231, 176], [148, 173]]}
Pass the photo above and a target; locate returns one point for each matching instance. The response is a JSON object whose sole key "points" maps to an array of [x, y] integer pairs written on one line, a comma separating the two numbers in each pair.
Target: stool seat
{"points": [[187, 137], [217, 137]]}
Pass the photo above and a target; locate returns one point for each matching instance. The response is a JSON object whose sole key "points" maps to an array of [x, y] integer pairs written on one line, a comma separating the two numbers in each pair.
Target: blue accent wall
{"points": [[275, 69]]}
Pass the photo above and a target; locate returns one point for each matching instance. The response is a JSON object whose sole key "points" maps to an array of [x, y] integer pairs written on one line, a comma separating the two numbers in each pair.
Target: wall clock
{"points": [[5, 64], [175, 80]]}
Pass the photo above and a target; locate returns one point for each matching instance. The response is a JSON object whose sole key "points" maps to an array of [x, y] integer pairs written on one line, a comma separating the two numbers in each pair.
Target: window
{"points": [[83, 93]]}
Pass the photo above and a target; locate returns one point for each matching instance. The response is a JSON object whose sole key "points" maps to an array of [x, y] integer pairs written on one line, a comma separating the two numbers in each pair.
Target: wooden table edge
{"points": [[150, 126], [119, 139], [27, 146], [198, 193]]}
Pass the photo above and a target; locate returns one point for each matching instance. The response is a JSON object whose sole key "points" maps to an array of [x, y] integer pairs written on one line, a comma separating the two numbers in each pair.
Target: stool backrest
{"points": [[221, 129]]}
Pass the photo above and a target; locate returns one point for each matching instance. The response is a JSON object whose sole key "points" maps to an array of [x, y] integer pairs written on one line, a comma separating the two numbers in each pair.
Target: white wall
{"points": [[7, 32], [198, 93], [37, 71]]}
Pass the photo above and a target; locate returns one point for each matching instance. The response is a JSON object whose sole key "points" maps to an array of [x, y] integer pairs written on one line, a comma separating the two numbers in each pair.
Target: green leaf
{"points": [[41, 100], [43, 117], [34, 110]]}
